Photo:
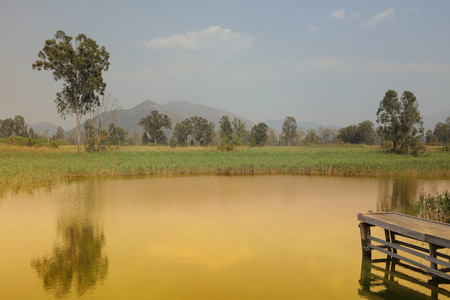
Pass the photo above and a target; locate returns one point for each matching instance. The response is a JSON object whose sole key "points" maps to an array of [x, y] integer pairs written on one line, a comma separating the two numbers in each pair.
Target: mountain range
{"points": [[179, 110]]}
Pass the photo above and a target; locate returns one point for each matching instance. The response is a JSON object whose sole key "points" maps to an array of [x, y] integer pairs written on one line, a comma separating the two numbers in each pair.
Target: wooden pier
{"points": [[400, 235]]}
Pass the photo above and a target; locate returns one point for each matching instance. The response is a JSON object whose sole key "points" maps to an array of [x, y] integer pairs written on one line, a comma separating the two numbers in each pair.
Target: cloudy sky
{"points": [[324, 61]]}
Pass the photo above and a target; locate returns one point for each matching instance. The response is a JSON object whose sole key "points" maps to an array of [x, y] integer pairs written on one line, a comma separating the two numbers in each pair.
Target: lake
{"points": [[200, 237]]}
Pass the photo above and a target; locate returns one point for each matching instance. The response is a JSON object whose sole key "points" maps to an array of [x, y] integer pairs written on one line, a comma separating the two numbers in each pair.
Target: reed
{"points": [[29, 167]]}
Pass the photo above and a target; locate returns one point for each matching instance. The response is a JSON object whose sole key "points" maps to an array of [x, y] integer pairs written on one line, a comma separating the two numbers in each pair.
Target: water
{"points": [[200, 237]]}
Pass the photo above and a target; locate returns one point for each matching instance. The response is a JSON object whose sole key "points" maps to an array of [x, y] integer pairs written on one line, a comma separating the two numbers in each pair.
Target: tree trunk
{"points": [[78, 117]]}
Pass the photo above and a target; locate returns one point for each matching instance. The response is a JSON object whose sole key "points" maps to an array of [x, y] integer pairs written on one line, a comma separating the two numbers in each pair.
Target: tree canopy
{"points": [[153, 123], [401, 120], [258, 134], [79, 63]]}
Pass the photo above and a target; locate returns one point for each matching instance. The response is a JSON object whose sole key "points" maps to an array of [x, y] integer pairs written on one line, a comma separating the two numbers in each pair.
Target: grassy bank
{"points": [[25, 167]]}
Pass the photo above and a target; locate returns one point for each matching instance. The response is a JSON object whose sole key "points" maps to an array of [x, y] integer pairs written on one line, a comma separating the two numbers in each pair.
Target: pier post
{"points": [[365, 242]]}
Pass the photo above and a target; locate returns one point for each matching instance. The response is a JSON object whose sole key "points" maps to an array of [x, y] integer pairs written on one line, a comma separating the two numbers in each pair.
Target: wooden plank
{"points": [[428, 231], [434, 261], [421, 249], [412, 262]]}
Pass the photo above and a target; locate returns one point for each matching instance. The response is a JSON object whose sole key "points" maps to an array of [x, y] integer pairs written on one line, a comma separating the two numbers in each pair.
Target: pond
{"points": [[200, 237]]}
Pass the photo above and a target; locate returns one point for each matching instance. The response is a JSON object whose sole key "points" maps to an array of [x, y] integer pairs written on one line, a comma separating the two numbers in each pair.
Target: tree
{"points": [[348, 134], [326, 135], [272, 137], [117, 136], [289, 130], [13, 127], [311, 138], [153, 123], [411, 123], [225, 127], [80, 65], [59, 133], [365, 133], [388, 115], [182, 130], [442, 131], [240, 130], [202, 130], [258, 134], [401, 121]]}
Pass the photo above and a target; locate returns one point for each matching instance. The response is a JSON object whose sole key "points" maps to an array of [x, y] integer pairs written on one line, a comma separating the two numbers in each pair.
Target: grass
{"points": [[432, 207], [29, 167]]}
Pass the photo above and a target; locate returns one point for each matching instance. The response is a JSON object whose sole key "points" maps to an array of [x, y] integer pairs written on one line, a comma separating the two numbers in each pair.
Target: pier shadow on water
{"points": [[77, 262], [388, 278]]}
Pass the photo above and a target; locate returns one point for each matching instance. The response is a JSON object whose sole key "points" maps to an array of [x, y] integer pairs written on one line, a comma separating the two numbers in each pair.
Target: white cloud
{"points": [[314, 29], [387, 14], [338, 14], [211, 38]]}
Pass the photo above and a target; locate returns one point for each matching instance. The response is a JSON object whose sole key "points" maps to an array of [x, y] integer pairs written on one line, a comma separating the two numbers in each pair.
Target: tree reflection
{"points": [[396, 194], [78, 257]]}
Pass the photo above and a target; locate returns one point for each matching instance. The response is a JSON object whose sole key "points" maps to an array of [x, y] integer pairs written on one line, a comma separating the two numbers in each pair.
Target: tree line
{"points": [[79, 62]]}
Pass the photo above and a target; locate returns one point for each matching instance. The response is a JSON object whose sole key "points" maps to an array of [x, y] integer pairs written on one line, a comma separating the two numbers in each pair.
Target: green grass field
{"points": [[29, 167]]}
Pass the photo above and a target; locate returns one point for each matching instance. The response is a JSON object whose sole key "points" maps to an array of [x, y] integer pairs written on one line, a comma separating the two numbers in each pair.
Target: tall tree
{"points": [[240, 130], [79, 64], [388, 115], [401, 120], [289, 130], [410, 121], [153, 123], [258, 134], [59, 133], [225, 127]]}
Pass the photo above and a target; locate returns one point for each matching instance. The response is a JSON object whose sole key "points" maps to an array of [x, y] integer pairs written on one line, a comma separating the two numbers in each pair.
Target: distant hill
{"points": [[41, 127], [176, 110], [278, 125]]}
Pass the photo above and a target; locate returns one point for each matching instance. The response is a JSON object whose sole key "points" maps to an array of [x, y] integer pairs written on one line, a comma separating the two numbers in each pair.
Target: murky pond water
{"points": [[198, 237]]}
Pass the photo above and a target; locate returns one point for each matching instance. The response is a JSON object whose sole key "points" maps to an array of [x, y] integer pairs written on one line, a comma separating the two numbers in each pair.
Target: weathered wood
{"points": [[436, 234], [365, 241], [434, 261], [423, 230]]}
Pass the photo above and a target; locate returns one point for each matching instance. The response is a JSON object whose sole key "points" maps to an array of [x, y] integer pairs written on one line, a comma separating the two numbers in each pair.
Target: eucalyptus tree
{"points": [[153, 123], [79, 63], [401, 120], [289, 130]]}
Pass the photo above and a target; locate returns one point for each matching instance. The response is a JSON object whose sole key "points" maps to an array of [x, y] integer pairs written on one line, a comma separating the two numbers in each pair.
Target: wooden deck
{"points": [[395, 225]]}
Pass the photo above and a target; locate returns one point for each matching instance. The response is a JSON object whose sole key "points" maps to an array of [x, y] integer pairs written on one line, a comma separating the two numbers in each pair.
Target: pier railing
{"points": [[400, 235]]}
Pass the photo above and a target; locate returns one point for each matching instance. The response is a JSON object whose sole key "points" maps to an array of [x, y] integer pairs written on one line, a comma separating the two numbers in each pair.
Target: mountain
{"points": [[41, 127], [177, 111], [305, 126], [184, 109]]}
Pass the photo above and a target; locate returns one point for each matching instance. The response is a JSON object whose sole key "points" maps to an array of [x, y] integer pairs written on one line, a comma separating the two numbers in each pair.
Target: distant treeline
{"points": [[197, 131]]}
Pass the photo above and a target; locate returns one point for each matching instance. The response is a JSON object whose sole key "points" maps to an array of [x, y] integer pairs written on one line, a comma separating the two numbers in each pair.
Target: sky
{"points": [[325, 61]]}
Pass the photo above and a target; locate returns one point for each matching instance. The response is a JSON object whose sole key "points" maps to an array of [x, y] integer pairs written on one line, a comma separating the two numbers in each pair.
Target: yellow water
{"points": [[199, 237]]}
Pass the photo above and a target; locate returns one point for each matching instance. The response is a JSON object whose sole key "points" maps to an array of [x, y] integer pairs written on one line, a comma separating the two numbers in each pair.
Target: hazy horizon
{"points": [[324, 62]]}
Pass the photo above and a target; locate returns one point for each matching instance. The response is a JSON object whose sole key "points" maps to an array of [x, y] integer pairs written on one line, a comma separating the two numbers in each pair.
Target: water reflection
{"points": [[390, 278], [77, 258], [396, 194]]}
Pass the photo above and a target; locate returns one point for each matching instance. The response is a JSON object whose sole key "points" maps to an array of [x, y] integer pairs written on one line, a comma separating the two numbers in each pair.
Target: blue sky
{"points": [[324, 61]]}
